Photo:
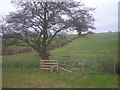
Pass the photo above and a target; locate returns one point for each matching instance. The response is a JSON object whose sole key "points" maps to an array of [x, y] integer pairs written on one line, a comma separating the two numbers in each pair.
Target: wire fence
{"points": [[83, 65]]}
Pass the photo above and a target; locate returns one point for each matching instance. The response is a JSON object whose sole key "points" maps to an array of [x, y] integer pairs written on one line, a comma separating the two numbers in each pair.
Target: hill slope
{"points": [[103, 45], [90, 46]]}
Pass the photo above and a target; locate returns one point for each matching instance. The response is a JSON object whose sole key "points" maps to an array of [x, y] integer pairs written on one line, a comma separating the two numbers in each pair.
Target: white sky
{"points": [[106, 14]]}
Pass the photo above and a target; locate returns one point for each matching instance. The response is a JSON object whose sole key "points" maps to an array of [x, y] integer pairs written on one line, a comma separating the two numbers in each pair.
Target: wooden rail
{"points": [[49, 65]]}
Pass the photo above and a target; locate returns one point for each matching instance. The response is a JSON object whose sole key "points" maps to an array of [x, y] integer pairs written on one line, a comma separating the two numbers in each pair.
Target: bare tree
{"points": [[37, 23]]}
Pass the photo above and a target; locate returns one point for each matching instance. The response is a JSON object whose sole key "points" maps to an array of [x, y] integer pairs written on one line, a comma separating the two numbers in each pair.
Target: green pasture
{"points": [[92, 49], [46, 79]]}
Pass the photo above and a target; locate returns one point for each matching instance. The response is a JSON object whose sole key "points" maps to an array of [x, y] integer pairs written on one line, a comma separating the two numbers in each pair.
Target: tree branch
{"points": [[62, 28]]}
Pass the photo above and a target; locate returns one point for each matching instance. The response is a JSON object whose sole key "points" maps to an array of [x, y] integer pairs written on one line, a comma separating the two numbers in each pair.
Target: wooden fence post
{"points": [[82, 66], [51, 69], [114, 67], [40, 66], [11, 65], [23, 65], [62, 57], [57, 66]]}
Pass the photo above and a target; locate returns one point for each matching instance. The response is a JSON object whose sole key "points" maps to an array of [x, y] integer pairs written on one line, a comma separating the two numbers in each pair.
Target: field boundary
{"points": [[66, 42]]}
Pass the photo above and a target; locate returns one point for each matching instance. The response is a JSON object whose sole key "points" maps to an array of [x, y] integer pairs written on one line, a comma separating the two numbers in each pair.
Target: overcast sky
{"points": [[106, 14]]}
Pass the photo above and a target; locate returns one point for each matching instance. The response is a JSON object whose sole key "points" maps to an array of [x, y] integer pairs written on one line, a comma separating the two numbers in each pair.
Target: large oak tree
{"points": [[37, 23]]}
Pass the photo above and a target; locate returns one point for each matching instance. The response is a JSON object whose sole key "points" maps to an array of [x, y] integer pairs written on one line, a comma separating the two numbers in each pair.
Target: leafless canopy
{"points": [[37, 23]]}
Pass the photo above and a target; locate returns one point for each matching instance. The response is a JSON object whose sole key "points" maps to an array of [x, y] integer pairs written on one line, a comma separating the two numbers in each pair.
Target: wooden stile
{"points": [[45, 68], [48, 60], [49, 65], [65, 69]]}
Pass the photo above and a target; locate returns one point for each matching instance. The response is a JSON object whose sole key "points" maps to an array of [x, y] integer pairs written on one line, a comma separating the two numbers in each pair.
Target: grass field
{"points": [[45, 79], [89, 48]]}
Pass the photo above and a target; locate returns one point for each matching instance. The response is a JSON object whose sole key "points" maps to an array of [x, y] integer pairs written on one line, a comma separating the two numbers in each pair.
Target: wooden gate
{"points": [[49, 65]]}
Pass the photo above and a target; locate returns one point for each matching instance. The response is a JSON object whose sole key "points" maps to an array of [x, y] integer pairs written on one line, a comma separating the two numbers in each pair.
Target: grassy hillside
{"points": [[57, 39], [104, 46], [89, 48]]}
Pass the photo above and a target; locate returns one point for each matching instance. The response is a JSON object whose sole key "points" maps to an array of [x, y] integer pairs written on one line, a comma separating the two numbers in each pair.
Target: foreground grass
{"points": [[46, 79]]}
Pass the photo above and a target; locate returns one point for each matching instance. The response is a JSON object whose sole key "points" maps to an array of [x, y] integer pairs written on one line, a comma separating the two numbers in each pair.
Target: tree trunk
{"points": [[79, 33], [44, 54], [45, 57]]}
